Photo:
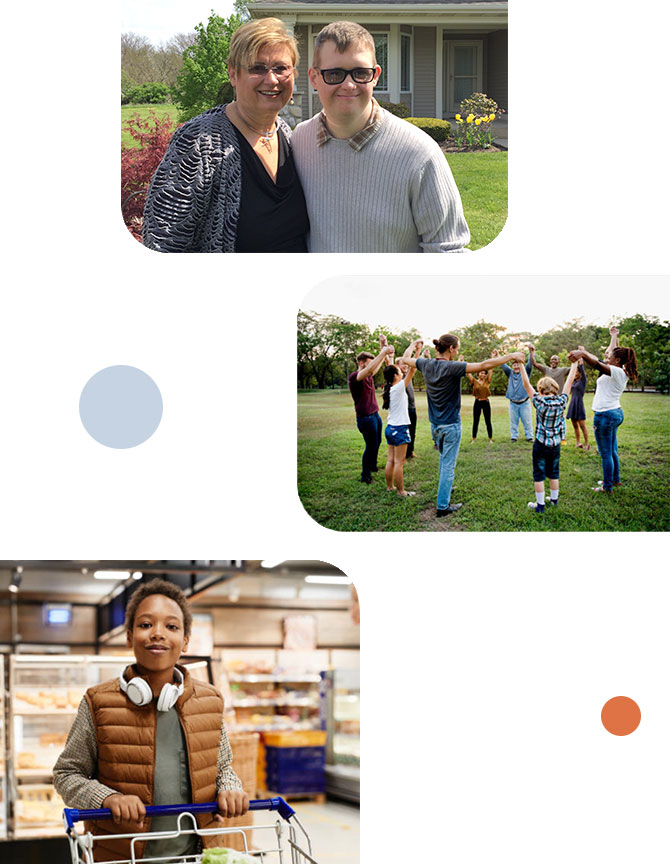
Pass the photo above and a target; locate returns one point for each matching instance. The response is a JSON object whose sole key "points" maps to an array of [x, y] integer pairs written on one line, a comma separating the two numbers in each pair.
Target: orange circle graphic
{"points": [[621, 715]]}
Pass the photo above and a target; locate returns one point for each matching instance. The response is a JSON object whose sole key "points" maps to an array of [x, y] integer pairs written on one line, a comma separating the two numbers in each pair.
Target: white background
{"points": [[486, 659]]}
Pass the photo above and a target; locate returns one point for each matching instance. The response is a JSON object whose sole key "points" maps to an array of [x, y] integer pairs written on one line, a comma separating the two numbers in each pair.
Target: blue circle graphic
{"points": [[120, 407]]}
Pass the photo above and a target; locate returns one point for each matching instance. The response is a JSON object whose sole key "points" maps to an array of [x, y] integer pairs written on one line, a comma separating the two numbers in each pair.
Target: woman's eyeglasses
{"points": [[280, 71], [337, 76]]}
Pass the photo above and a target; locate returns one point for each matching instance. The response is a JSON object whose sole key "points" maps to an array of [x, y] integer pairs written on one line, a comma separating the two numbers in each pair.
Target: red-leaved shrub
{"points": [[138, 164]]}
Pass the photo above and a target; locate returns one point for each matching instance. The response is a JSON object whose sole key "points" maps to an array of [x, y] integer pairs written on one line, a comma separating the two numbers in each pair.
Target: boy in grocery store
{"points": [[549, 432], [153, 736]]}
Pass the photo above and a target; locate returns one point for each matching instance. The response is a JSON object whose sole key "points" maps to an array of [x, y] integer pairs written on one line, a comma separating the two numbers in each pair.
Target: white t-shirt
{"points": [[398, 413], [609, 388]]}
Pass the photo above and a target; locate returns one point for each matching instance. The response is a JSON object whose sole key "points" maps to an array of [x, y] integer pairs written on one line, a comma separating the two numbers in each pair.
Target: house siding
{"points": [[302, 82], [424, 72], [496, 56]]}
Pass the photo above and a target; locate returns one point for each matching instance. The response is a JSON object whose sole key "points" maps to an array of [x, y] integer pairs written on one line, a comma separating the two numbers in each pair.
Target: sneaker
{"points": [[553, 502], [530, 440], [367, 480], [538, 508], [452, 508], [513, 440]]}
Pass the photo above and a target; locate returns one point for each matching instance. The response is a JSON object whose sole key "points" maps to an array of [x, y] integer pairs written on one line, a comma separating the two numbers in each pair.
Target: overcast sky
{"points": [[159, 20], [436, 305]]}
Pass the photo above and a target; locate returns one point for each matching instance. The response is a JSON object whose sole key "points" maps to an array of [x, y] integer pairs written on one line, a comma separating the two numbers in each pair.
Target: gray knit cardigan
{"points": [[193, 203]]}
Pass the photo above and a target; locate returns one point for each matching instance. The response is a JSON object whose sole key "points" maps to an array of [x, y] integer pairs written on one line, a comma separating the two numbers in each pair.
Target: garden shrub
{"points": [[150, 93], [480, 105], [397, 108], [139, 163], [437, 129], [473, 124]]}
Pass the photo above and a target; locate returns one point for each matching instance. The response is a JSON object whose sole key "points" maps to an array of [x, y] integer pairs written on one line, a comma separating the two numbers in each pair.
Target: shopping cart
{"points": [[282, 836]]}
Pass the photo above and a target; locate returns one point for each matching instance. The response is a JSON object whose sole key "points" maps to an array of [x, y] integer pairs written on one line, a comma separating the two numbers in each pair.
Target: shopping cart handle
{"points": [[72, 815]]}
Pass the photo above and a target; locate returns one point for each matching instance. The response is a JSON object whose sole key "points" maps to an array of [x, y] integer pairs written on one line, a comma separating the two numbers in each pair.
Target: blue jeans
{"points": [[448, 440], [523, 413], [370, 428], [605, 424]]}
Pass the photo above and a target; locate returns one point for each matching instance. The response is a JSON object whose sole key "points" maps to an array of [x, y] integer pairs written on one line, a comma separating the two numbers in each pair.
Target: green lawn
{"points": [[127, 111], [494, 481], [481, 178]]}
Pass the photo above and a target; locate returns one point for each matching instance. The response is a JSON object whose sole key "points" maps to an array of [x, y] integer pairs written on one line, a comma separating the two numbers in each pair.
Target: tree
{"points": [[204, 71], [651, 340]]}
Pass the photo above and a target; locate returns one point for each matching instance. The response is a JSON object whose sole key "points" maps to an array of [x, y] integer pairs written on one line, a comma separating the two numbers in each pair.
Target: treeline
{"points": [[189, 69], [143, 63], [328, 345]]}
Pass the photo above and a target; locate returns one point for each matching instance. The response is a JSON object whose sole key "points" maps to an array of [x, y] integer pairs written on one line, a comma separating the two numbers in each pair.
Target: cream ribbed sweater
{"points": [[397, 194]]}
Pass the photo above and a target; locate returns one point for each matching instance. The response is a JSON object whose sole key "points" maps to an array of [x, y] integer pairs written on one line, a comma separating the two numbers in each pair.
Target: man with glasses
{"points": [[372, 181]]}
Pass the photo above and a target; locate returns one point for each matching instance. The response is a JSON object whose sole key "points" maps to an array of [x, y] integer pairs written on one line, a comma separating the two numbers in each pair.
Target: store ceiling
{"points": [[76, 577]]}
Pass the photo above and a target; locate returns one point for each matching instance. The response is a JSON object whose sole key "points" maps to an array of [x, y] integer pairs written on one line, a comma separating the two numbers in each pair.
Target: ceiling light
{"points": [[270, 563], [137, 575], [15, 582], [328, 580], [111, 574]]}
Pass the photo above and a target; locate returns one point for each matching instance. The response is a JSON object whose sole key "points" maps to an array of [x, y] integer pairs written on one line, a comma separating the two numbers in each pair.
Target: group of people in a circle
{"points": [[442, 376]]}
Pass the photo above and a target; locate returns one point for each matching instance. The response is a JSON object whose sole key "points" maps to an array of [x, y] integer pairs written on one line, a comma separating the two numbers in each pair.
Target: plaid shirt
{"points": [[550, 420], [74, 772], [361, 138]]}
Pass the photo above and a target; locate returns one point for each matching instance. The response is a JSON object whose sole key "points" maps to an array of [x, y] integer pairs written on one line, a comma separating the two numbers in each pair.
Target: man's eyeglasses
{"points": [[280, 71], [337, 76]]}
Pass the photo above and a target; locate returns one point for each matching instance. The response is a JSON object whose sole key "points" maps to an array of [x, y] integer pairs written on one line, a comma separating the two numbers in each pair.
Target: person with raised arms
{"points": [[549, 432], [398, 379], [443, 387], [519, 403], [362, 389], [608, 414]]}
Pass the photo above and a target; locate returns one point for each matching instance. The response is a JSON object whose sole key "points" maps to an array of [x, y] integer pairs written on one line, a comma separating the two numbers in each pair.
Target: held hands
{"points": [[418, 345], [518, 356], [382, 340], [614, 331], [531, 347], [461, 358], [495, 353], [231, 802], [388, 349], [125, 808]]}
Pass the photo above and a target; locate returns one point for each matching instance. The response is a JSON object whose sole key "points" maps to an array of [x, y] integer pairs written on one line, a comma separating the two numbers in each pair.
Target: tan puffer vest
{"points": [[126, 753]]}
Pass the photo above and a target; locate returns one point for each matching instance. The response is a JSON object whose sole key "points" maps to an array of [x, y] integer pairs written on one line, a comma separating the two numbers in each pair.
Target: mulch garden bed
{"points": [[450, 146]]}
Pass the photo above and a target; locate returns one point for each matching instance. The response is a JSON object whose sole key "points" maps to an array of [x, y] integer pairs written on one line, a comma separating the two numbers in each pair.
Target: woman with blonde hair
{"points": [[227, 182]]}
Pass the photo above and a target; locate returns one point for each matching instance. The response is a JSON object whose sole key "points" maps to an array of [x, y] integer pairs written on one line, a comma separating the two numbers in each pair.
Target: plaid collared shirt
{"points": [[75, 770], [550, 420], [361, 138]]}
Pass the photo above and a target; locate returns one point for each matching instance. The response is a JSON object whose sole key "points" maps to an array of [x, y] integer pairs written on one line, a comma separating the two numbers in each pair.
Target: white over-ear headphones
{"points": [[139, 692]]}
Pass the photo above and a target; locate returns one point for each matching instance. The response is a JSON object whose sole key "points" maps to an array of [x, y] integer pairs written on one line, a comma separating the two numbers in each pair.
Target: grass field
{"points": [[494, 481], [482, 181], [127, 112]]}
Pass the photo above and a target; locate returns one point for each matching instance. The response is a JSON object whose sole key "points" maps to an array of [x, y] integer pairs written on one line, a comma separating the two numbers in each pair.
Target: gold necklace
{"points": [[265, 137]]}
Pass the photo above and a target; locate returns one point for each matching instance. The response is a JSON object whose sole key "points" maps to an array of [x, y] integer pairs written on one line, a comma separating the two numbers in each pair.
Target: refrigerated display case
{"points": [[45, 691], [341, 717], [3, 745]]}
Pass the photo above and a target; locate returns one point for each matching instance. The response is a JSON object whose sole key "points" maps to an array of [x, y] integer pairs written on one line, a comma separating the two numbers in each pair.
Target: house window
{"points": [[382, 52], [405, 62]]}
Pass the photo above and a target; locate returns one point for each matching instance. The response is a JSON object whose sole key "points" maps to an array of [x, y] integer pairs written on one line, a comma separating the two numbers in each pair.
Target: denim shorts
{"points": [[545, 461], [396, 435]]}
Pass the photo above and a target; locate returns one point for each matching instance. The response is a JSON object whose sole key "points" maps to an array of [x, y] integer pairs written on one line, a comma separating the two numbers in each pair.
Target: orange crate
{"points": [[296, 738]]}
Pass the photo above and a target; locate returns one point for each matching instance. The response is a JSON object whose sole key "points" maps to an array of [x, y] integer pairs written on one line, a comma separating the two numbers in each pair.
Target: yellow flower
{"points": [[458, 116], [492, 117], [470, 118], [478, 121]]}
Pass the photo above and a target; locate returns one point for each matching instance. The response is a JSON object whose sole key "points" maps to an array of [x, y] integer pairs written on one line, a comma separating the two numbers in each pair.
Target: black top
{"points": [[273, 216]]}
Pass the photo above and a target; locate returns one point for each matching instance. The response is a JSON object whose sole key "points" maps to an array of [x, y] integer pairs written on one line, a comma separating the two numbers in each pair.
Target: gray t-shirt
{"points": [[171, 786], [559, 374], [443, 386]]}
